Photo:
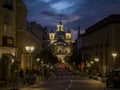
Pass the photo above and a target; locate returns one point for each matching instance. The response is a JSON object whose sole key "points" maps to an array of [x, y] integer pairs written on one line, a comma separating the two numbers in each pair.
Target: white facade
{"points": [[61, 42]]}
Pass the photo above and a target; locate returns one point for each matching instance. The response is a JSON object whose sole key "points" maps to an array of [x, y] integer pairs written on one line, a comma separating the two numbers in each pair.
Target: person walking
{"points": [[21, 75]]}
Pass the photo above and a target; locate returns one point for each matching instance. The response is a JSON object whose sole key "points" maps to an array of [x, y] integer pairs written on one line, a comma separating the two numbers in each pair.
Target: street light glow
{"points": [[96, 59], [91, 62], [29, 48], [38, 59], [114, 54]]}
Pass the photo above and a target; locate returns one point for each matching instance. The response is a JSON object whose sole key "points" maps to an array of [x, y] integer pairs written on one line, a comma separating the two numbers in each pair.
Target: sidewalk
{"points": [[2, 84], [9, 86], [17, 85]]}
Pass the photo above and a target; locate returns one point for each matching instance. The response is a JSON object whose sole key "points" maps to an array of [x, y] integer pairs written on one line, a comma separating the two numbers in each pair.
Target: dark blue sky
{"points": [[72, 12]]}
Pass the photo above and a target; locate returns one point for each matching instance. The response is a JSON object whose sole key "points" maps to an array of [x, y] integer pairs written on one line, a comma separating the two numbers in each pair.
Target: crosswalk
{"points": [[62, 73], [66, 77]]}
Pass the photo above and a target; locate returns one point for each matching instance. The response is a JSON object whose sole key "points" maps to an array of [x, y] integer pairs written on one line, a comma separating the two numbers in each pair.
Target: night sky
{"points": [[71, 12]]}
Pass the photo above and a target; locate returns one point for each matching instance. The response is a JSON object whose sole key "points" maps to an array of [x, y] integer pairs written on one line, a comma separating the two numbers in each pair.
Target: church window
{"points": [[60, 28], [68, 36], [51, 36]]}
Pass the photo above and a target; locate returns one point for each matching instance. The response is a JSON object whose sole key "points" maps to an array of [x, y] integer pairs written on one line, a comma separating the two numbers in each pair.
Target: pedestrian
{"points": [[21, 75]]}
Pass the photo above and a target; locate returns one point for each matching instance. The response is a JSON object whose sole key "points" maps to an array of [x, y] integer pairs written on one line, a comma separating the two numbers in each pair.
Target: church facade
{"points": [[61, 42]]}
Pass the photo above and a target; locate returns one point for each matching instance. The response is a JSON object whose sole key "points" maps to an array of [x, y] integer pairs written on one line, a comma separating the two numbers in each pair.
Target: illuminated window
{"points": [[7, 41], [60, 28], [5, 27], [51, 36], [68, 36], [6, 22]]}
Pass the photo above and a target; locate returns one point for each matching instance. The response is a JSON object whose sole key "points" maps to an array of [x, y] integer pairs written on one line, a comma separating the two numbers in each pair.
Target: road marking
{"points": [[69, 84]]}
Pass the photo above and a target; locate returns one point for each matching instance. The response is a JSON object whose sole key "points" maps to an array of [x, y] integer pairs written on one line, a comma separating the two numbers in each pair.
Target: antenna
{"points": [[78, 29]]}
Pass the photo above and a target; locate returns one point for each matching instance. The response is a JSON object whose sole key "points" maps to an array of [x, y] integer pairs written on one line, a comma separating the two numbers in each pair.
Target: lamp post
{"points": [[114, 56], [29, 50], [42, 64], [96, 60], [38, 60], [42, 69]]}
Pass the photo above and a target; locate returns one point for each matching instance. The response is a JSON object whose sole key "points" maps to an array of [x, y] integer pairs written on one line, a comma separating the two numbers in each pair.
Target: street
{"points": [[64, 80], [82, 84]]}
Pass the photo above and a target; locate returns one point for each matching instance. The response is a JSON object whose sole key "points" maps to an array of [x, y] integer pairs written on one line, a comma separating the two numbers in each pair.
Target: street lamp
{"points": [[29, 49], [41, 63], [38, 59], [91, 62], [12, 61], [42, 69], [114, 56], [97, 68], [96, 59]]}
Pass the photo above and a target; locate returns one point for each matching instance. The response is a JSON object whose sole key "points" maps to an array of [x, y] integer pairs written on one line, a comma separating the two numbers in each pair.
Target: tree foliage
{"points": [[47, 57], [75, 58]]}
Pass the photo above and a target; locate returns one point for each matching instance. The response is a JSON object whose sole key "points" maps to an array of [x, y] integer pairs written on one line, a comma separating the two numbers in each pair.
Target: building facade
{"points": [[61, 42], [77, 45], [10, 19], [100, 41], [36, 36]]}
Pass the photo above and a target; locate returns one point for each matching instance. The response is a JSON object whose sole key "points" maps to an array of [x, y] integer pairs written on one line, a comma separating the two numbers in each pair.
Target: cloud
{"points": [[71, 12], [62, 6]]}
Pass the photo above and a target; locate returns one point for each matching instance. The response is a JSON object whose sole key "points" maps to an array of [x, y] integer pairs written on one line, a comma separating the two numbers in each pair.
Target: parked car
{"points": [[97, 76], [113, 78]]}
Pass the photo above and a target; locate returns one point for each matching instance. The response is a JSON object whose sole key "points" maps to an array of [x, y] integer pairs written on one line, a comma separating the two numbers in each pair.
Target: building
{"points": [[10, 22], [99, 42], [36, 36], [61, 42], [15, 35], [77, 45], [33, 36]]}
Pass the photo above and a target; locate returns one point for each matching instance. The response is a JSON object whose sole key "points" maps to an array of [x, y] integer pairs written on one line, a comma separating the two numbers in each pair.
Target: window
{"points": [[60, 28], [107, 40], [51, 36], [7, 41], [8, 4], [5, 27]]}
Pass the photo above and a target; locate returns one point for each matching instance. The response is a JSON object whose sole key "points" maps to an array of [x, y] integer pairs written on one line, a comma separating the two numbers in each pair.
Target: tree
{"points": [[48, 57], [75, 58]]}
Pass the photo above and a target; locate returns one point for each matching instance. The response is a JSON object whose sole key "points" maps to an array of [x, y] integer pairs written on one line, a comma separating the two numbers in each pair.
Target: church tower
{"points": [[68, 36], [60, 27], [61, 42], [52, 36]]}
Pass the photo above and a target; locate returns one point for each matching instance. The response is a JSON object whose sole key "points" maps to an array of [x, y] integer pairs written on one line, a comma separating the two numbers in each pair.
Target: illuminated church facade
{"points": [[61, 42]]}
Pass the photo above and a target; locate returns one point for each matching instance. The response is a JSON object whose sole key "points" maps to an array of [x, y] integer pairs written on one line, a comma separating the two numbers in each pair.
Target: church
{"points": [[61, 43]]}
